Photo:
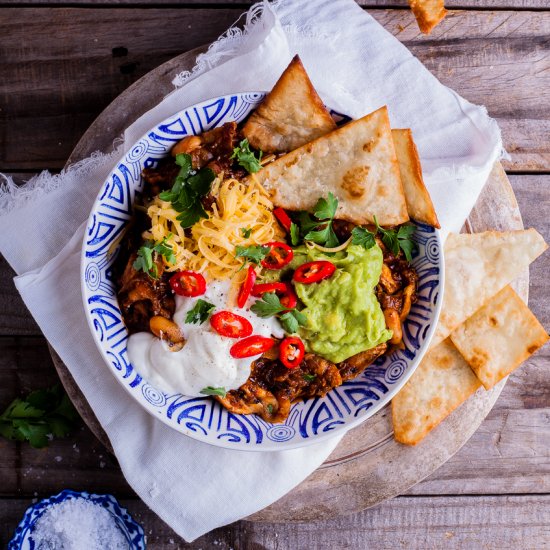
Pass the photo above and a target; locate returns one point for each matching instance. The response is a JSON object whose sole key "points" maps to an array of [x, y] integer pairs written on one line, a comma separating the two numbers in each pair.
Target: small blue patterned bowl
{"points": [[132, 531], [202, 418]]}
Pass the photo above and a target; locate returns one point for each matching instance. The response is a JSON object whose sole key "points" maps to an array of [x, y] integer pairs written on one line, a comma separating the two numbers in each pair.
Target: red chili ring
{"points": [[227, 323], [282, 218], [251, 346], [246, 287], [313, 272], [188, 283], [279, 255], [291, 352]]}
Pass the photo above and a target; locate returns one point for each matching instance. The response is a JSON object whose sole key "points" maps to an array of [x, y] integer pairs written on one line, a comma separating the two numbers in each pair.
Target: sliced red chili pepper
{"points": [[286, 293], [291, 352], [279, 255], [253, 345], [230, 324], [313, 272], [188, 283], [246, 287], [283, 218]]}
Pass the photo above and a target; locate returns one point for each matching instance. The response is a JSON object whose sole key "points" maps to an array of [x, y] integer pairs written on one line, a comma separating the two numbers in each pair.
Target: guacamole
{"points": [[344, 316]]}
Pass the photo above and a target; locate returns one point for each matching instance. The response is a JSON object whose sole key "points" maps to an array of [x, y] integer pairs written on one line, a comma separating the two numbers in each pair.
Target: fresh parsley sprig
{"points": [[190, 186], [254, 253], [395, 240], [200, 312], [319, 228], [246, 232], [270, 305], [246, 158], [145, 260], [209, 390], [38, 417]]}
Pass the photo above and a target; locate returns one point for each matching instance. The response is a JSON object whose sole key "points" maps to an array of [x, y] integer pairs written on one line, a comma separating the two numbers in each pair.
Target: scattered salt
{"points": [[58, 458], [101, 464], [78, 524]]}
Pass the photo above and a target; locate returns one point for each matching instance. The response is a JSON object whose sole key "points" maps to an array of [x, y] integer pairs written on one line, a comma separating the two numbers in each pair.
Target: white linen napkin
{"points": [[357, 66]]}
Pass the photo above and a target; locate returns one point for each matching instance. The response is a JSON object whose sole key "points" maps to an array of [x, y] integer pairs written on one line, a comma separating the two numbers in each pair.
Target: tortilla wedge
{"points": [[477, 267], [441, 383], [356, 162], [291, 115], [497, 338], [428, 13], [419, 202]]}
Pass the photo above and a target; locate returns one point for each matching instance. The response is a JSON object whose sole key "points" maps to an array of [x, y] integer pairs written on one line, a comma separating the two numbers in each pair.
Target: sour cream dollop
{"points": [[205, 359]]}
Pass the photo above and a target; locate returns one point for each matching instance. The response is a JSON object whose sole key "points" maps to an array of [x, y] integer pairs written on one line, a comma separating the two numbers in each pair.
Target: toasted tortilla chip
{"points": [[497, 338], [291, 115], [428, 13], [478, 266], [442, 382], [356, 162], [419, 202]]}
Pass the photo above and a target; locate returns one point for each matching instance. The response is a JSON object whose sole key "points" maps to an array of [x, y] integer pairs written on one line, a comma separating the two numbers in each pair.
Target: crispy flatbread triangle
{"points": [[497, 338], [419, 202], [356, 162], [441, 382], [478, 266], [428, 13], [291, 115]]}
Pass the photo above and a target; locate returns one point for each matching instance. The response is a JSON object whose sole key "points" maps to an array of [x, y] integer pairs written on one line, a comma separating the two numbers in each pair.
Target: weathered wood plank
{"points": [[450, 4], [404, 522], [76, 461], [497, 58]]}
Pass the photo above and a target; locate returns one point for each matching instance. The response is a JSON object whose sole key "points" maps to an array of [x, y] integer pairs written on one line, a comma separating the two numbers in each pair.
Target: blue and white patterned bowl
{"points": [[203, 418], [132, 531]]}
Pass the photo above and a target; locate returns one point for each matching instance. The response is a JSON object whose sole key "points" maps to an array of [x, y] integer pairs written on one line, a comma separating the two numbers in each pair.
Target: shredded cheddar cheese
{"points": [[209, 246]]}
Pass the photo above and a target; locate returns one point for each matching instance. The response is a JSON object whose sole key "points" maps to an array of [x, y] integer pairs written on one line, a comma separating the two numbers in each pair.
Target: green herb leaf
{"points": [[209, 390], [309, 377], [38, 417], [325, 209], [166, 250], [254, 253], [192, 215], [200, 312], [294, 234], [269, 305], [269, 408], [144, 260], [246, 232], [245, 157], [289, 322], [398, 240], [362, 237]]}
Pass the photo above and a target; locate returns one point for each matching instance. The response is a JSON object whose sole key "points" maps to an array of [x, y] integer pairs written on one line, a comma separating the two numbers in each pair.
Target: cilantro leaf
{"points": [[320, 231], [199, 313], [246, 232], [325, 209], [309, 377], [294, 234], [398, 240], [289, 322], [38, 417], [144, 260], [245, 157], [362, 237], [165, 249], [209, 390], [254, 253], [187, 191], [270, 305]]}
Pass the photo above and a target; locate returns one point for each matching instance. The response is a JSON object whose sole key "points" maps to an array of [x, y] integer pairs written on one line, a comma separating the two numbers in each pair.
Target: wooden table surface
{"points": [[62, 62]]}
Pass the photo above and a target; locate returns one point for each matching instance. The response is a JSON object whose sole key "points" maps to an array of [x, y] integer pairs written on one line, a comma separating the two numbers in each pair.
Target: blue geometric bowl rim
{"points": [[271, 445], [26, 523]]}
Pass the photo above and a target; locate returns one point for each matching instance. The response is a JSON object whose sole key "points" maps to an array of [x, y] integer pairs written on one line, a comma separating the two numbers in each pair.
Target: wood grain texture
{"points": [[497, 58], [451, 4], [450, 523]]}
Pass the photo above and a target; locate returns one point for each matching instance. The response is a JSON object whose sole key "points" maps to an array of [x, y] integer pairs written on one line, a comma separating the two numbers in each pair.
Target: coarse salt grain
{"points": [[78, 524]]}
